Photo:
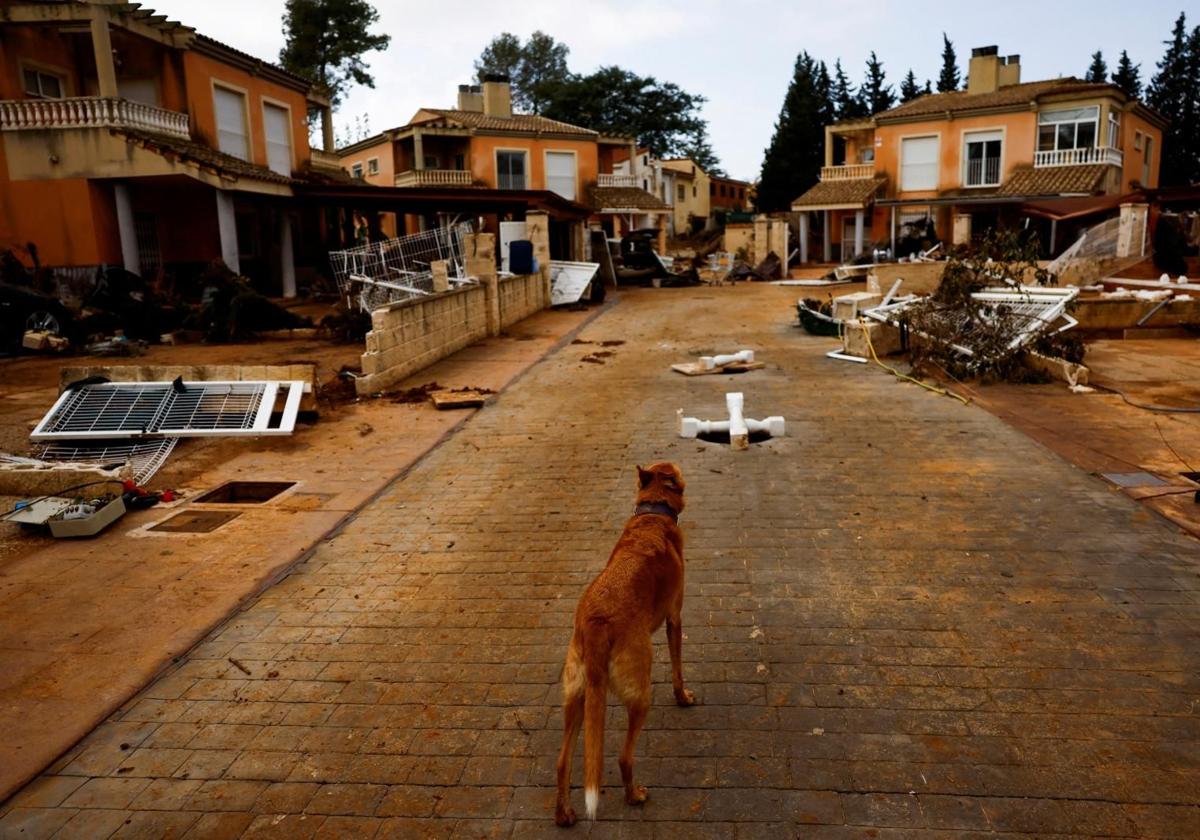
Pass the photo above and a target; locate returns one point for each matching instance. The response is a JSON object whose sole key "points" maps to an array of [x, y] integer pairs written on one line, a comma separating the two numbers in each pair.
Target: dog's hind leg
{"points": [[631, 681], [683, 696], [564, 814]]}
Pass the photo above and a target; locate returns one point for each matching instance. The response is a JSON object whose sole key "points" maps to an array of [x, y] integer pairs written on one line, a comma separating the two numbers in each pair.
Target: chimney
{"points": [[1010, 71], [983, 73], [470, 98], [497, 97]]}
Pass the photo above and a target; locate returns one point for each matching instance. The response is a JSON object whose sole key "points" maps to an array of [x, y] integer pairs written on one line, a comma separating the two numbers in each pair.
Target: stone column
{"points": [[106, 72], [440, 270], [481, 264], [662, 234], [827, 243], [327, 141], [762, 230], [537, 231], [858, 233], [418, 152], [287, 256], [962, 229], [126, 229], [227, 227], [803, 236], [1131, 230]]}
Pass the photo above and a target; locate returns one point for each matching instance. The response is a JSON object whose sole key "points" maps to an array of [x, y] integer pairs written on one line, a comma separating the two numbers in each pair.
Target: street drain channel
{"points": [[722, 437], [244, 492], [196, 521]]}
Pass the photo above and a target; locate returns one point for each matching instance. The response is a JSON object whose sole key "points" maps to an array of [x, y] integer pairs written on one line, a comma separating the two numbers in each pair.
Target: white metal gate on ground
{"points": [[166, 409]]}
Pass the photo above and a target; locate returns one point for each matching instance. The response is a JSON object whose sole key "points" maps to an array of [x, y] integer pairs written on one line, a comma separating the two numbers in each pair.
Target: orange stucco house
{"points": [[482, 144], [998, 152], [129, 139]]}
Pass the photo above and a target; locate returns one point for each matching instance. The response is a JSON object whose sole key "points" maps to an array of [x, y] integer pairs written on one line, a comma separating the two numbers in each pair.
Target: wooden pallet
{"points": [[469, 398], [694, 368]]}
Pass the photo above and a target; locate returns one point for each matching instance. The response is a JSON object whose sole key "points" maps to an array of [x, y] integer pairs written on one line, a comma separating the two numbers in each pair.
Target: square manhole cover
{"points": [[196, 521], [244, 492], [1134, 479]]}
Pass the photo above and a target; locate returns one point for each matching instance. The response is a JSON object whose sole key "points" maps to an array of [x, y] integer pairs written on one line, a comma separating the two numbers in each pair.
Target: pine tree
{"points": [[793, 161], [909, 89], [1128, 76], [1173, 92], [847, 105], [949, 79], [325, 41], [1097, 71], [875, 93]]}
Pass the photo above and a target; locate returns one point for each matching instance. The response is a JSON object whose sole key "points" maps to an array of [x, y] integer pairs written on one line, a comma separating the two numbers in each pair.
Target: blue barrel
{"points": [[520, 256]]}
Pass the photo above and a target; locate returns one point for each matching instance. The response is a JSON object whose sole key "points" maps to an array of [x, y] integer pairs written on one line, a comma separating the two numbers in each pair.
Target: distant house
{"points": [[987, 156], [692, 204], [483, 145], [728, 194], [130, 139]]}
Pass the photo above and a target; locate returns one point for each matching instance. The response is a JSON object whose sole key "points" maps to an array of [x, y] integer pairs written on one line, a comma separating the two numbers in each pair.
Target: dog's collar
{"points": [[661, 508]]}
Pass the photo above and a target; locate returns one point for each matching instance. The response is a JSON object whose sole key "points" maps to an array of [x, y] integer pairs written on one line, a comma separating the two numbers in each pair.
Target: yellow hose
{"points": [[905, 376]]}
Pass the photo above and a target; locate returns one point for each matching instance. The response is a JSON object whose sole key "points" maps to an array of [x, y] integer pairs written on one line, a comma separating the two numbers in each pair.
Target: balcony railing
{"points": [[847, 173], [434, 178], [983, 172], [322, 159], [1079, 157], [605, 179], [90, 112]]}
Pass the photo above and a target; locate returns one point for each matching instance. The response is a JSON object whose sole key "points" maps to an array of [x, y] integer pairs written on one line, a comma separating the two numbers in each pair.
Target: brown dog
{"points": [[641, 586]]}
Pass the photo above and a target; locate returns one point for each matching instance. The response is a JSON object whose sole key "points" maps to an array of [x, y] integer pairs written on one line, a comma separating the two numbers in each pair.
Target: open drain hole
{"points": [[244, 492], [723, 437]]}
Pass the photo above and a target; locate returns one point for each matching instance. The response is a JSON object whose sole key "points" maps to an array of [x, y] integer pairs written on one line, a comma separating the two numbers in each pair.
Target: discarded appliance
{"points": [[86, 518], [737, 426], [569, 281]]}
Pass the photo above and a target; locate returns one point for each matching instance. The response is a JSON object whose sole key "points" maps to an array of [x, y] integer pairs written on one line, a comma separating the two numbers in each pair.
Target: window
{"points": [[1137, 140], [510, 170], [866, 155], [356, 170], [42, 85], [278, 129], [695, 191], [1114, 129], [372, 166], [982, 159], [1147, 144], [681, 191], [460, 162], [919, 163], [233, 137], [1070, 128], [560, 174], [645, 185]]}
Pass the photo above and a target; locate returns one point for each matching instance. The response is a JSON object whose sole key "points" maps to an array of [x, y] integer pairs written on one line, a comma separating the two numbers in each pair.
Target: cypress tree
{"points": [[876, 94], [1097, 71], [847, 106], [909, 89], [1173, 92], [793, 161], [1128, 76], [949, 79]]}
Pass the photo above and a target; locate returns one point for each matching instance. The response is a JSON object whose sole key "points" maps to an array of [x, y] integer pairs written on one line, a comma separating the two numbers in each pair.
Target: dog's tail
{"points": [[595, 696]]}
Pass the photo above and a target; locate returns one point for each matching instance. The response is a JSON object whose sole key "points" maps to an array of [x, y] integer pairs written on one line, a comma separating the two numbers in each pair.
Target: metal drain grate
{"points": [[1134, 479]]}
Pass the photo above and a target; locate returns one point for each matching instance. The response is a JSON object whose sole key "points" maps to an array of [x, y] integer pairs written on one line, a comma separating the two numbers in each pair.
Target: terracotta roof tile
{"points": [[960, 100], [1054, 180], [202, 155], [857, 191], [517, 122], [623, 197]]}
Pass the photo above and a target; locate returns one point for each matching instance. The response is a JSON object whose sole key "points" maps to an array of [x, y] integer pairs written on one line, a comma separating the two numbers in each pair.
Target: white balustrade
{"points": [[853, 171], [90, 112], [434, 178], [607, 179], [1086, 156]]}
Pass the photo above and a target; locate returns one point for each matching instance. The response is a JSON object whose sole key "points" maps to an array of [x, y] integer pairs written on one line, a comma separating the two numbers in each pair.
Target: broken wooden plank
{"points": [[464, 398]]}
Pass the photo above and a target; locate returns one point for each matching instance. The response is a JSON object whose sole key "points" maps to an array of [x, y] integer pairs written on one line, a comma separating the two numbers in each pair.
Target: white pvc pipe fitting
{"points": [[711, 362], [739, 435]]}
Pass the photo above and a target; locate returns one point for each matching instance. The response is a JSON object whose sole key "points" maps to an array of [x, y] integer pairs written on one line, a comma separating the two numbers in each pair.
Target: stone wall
{"points": [[412, 335]]}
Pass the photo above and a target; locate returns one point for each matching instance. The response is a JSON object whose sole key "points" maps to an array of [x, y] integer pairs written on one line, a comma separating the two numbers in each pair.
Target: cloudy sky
{"points": [[737, 54]]}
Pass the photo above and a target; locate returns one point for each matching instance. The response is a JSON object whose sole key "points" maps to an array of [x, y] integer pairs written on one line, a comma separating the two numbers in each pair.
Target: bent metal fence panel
{"points": [[377, 274]]}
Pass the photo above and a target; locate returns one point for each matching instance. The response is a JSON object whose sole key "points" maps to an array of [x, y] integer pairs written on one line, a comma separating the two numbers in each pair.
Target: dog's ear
{"points": [[644, 478]]}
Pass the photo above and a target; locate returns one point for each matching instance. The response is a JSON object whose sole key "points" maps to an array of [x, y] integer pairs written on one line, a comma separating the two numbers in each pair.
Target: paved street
{"points": [[904, 619]]}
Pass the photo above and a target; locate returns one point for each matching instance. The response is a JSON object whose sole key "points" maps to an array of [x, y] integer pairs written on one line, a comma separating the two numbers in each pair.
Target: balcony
{"points": [[851, 172], [434, 178], [605, 179], [90, 112], [1079, 157], [322, 159]]}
